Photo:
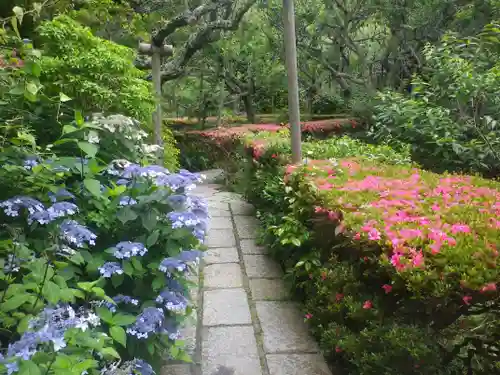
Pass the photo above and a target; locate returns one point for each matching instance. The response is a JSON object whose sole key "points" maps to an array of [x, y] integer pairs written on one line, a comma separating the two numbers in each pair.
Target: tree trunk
{"points": [[249, 107]]}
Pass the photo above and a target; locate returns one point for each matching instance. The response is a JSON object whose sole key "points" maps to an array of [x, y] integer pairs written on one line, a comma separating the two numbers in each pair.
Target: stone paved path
{"points": [[245, 323]]}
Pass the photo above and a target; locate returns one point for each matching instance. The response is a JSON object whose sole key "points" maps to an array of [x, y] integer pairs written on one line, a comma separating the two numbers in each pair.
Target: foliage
{"points": [[96, 243], [451, 120], [130, 227], [96, 74], [396, 266]]}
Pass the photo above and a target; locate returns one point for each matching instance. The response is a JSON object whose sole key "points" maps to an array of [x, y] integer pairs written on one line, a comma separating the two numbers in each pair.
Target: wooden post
{"points": [[293, 84], [156, 54]]}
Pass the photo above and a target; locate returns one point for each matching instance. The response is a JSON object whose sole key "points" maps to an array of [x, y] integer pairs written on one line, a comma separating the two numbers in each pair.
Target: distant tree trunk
{"points": [[248, 98]]}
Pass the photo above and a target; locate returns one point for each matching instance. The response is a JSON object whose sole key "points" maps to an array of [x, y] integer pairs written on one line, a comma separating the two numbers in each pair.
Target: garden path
{"points": [[245, 323]]}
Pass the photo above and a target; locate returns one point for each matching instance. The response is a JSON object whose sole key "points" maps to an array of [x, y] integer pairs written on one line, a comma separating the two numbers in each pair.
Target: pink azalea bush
{"points": [[431, 225]]}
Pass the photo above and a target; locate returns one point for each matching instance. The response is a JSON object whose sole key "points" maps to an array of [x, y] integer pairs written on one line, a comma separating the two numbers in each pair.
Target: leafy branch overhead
{"points": [[215, 16]]}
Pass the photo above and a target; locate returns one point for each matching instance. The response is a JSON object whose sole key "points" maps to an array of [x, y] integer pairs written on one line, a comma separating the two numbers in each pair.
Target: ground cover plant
{"points": [[396, 266]]}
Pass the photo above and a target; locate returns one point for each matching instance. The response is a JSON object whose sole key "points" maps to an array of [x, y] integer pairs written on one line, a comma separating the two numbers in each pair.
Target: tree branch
{"points": [[187, 18], [205, 35]]}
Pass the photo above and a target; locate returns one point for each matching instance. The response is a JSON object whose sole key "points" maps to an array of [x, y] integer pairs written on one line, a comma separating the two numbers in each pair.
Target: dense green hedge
{"points": [[396, 267]]}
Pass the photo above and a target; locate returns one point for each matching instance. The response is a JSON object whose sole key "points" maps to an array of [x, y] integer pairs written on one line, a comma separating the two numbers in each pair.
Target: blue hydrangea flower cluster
{"points": [[50, 327], [172, 301], [76, 234], [127, 249], [30, 162], [13, 206], [57, 210], [134, 367], [127, 201], [180, 263], [118, 299], [60, 194], [109, 269], [150, 321]]}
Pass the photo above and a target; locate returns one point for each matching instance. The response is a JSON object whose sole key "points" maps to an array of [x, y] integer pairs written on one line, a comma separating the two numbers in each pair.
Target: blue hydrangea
{"points": [[198, 203], [142, 367], [30, 162], [171, 328], [57, 210], [108, 269], [177, 201], [127, 201], [122, 181], [127, 249], [175, 182], [61, 193], [13, 206], [148, 322], [175, 286], [183, 219], [76, 234], [190, 256], [151, 171], [194, 177], [172, 301], [169, 265], [118, 299], [50, 327]]}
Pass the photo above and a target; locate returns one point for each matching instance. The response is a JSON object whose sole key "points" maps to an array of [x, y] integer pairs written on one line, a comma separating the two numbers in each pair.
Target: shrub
{"points": [[89, 251], [396, 266], [451, 118], [95, 74]]}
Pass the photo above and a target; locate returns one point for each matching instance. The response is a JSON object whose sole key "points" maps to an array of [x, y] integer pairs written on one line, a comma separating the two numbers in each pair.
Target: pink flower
{"points": [[387, 288], [357, 236], [308, 316], [338, 350], [373, 235], [457, 228], [490, 287], [418, 259], [339, 297], [367, 305], [467, 299]]}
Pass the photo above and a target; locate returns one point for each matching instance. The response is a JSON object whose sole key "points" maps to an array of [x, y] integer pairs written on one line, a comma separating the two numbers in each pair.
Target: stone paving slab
{"points": [[242, 208], [221, 255], [250, 247], [230, 351], [297, 364], [225, 307], [176, 370], [221, 238], [246, 226], [224, 275], [268, 290], [261, 266], [221, 222], [284, 328]]}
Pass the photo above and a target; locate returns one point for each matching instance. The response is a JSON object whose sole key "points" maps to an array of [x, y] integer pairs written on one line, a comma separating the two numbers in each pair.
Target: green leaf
{"points": [[126, 214], [118, 334], [32, 88], [110, 352], [51, 292], [105, 314], [89, 148], [123, 319], [28, 368], [19, 12], [127, 268], [69, 129], [15, 302], [153, 238], [14, 22], [137, 264], [77, 258], [79, 118], [149, 220], [87, 285], [63, 97], [174, 351], [93, 186]]}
